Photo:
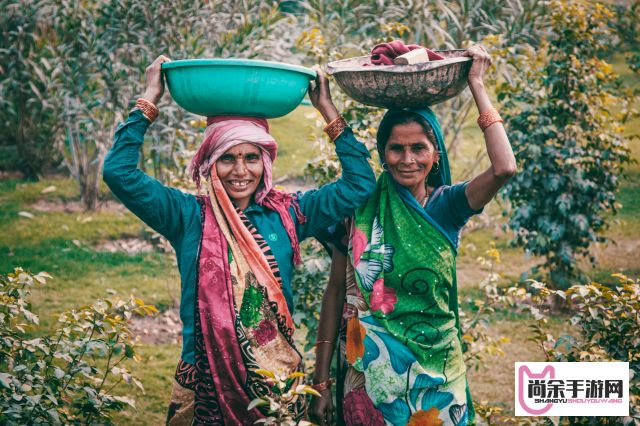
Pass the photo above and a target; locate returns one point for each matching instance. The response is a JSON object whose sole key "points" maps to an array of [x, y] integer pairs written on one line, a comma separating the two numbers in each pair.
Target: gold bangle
{"points": [[335, 128], [148, 109], [323, 341], [489, 117]]}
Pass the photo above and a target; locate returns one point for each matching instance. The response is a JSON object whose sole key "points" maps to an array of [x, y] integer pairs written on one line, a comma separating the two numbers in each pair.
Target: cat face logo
{"points": [[548, 370]]}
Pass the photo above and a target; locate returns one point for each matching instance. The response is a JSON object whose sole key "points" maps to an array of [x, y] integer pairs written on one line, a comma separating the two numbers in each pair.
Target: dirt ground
{"points": [[161, 328]]}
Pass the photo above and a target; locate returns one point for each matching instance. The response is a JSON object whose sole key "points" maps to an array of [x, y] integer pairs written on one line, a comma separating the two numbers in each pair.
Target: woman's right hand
{"points": [[321, 409], [155, 83]]}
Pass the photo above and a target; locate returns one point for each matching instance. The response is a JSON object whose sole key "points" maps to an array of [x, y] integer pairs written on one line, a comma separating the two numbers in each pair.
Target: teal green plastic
{"points": [[246, 87]]}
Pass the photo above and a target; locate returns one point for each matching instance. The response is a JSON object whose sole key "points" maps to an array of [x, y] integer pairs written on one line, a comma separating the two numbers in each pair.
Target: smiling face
{"points": [[240, 171], [410, 155]]}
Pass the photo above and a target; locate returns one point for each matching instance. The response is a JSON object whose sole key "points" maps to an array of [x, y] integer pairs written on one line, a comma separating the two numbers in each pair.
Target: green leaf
{"points": [[58, 373], [129, 351], [5, 380]]}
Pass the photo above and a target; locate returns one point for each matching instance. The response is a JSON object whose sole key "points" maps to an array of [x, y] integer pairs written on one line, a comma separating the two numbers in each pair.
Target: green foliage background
{"points": [[565, 117], [69, 72]]}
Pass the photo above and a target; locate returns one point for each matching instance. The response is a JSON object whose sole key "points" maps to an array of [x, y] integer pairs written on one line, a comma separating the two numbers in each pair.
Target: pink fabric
{"points": [[385, 53], [382, 298], [222, 134], [217, 321]]}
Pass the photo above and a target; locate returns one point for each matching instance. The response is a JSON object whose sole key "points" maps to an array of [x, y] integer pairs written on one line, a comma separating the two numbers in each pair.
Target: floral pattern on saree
{"points": [[401, 345]]}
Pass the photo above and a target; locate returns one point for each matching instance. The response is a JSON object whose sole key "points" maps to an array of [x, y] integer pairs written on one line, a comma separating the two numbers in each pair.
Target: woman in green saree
{"points": [[401, 354]]}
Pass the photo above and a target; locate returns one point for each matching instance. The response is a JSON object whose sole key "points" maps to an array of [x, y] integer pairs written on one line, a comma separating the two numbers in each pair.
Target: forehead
{"points": [[407, 134], [243, 149]]}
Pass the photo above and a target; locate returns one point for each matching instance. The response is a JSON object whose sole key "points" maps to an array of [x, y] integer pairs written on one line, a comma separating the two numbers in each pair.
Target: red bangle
{"points": [[323, 385], [148, 109], [335, 128], [488, 117]]}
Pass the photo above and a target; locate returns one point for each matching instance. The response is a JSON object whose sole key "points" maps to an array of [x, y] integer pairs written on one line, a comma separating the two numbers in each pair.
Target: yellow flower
{"points": [[493, 252]]}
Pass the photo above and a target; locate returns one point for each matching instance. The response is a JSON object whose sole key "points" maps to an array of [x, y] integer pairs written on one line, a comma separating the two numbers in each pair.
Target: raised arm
{"points": [[482, 188], [321, 409], [157, 205], [332, 202]]}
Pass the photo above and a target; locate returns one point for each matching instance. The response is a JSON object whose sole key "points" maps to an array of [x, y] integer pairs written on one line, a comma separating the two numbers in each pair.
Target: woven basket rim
{"points": [[334, 67]]}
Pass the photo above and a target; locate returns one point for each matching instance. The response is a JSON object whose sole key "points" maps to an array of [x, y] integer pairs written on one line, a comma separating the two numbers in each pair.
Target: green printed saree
{"points": [[403, 361]]}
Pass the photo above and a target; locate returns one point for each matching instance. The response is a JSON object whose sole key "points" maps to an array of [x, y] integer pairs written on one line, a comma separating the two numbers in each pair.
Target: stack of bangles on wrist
{"points": [[148, 109], [335, 128], [489, 117]]}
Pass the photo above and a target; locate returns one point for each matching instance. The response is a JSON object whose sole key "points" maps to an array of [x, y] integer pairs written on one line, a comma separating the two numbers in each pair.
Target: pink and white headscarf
{"points": [[225, 132]]}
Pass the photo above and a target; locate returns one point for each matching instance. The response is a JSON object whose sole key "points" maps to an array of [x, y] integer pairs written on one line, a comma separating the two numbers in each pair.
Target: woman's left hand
{"points": [[481, 62], [321, 408]]}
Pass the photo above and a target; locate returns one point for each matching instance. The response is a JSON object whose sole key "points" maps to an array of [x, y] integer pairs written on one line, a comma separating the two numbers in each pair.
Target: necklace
{"points": [[426, 197], [424, 201]]}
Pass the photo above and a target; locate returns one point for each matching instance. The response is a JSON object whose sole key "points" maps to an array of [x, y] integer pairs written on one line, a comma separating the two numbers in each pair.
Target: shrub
{"points": [[565, 113], [475, 320], [28, 120], [607, 325], [309, 283], [64, 377], [608, 319]]}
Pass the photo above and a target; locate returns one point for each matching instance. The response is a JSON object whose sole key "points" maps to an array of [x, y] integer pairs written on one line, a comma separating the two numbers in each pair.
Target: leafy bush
{"points": [[309, 283], [28, 120], [626, 24], [607, 324], [475, 320], [608, 319], [565, 113], [89, 51], [64, 377]]}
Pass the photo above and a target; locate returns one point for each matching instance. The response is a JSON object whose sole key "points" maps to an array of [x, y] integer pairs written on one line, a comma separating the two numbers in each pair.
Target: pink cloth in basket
{"points": [[385, 53]]}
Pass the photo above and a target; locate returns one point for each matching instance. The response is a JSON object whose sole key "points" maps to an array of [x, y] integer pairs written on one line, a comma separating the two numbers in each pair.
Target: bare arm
{"points": [[322, 410], [482, 188]]}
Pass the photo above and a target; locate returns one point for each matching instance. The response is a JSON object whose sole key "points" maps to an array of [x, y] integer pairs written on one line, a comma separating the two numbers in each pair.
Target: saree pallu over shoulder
{"points": [[403, 353], [242, 321]]}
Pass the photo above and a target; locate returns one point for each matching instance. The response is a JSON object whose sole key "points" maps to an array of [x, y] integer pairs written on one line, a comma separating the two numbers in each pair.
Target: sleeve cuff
{"points": [[349, 145], [136, 122]]}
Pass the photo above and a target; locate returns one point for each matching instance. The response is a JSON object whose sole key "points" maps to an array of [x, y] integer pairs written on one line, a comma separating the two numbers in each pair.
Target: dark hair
{"points": [[397, 117]]}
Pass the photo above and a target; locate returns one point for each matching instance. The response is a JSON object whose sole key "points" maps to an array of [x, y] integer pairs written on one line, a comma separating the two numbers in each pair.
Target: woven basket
{"points": [[402, 86]]}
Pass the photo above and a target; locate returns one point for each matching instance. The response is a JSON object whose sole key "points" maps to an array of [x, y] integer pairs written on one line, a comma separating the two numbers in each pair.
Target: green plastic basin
{"points": [[237, 86]]}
